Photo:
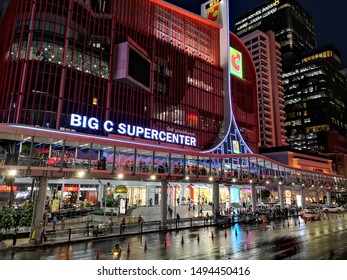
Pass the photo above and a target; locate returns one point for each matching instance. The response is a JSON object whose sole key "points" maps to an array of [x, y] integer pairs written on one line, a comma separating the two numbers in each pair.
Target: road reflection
{"points": [[311, 241]]}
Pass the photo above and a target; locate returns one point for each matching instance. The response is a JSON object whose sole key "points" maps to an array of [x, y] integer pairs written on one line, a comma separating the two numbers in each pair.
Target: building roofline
{"points": [[186, 13]]}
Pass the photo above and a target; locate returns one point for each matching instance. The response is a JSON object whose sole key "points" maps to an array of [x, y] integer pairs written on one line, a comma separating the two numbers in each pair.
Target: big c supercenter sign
{"points": [[132, 130], [236, 63]]}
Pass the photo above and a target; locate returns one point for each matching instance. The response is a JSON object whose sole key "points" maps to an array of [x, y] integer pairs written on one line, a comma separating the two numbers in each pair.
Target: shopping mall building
{"points": [[98, 95]]}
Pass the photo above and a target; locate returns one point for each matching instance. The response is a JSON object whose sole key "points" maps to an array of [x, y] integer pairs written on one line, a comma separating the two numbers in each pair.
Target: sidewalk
{"points": [[78, 234]]}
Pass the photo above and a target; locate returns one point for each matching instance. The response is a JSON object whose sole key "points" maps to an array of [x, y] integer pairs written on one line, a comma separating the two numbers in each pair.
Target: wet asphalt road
{"points": [[313, 241]]}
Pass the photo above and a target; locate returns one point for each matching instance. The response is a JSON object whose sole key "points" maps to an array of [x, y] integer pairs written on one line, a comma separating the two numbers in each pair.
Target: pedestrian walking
{"points": [[14, 236], [54, 221], [87, 230], [169, 209], [110, 226], [62, 223]]}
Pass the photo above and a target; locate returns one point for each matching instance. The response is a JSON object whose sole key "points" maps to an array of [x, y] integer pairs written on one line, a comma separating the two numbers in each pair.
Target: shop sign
{"points": [[7, 188], [213, 11], [86, 189], [123, 206], [236, 63], [132, 130], [70, 189]]}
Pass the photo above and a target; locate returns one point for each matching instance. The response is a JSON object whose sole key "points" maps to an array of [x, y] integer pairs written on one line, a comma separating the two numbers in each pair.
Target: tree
{"points": [[8, 219], [265, 194], [110, 202], [26, 215]]}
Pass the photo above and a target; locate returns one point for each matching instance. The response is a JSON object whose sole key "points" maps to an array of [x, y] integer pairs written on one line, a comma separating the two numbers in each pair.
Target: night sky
{"points": [[330, 18]]}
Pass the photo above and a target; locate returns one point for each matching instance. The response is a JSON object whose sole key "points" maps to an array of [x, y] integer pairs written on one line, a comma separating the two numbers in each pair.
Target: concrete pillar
{"points": [[183, 198], [254, 197], [37, 224], [328, 195], [163, 204], [303, 200], [148, 195], [280, 196], [215, 198], [101, 192]]}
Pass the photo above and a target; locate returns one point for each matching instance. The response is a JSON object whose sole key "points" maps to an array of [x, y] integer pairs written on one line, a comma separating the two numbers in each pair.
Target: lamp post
{"points": [[9, 180]]}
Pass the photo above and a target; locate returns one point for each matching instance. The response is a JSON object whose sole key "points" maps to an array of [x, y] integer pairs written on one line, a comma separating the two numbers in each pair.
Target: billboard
{"points": [[213, 11], [236, 147], [236, 63]]}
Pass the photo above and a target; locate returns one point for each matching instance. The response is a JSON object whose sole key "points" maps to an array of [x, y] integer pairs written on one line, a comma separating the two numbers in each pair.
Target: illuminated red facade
{"points": [[61, 57], [245, 97]]}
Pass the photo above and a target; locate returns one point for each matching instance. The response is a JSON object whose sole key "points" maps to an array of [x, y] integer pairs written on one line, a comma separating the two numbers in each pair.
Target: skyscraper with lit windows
{"points": [[293, 26]]}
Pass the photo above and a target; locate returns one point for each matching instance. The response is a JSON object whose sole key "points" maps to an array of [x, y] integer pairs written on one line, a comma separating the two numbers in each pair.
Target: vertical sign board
{"points": [[236, 63], [213, 11], [288, 195], [236, 147], [123, 206]]}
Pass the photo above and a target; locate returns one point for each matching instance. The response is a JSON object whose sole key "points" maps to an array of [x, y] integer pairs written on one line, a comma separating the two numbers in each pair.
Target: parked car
{"points": [[333, 209], [303, 211], [311, 215]]}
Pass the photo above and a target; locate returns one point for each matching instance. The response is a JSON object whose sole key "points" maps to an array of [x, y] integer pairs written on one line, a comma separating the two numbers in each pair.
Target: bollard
{"points": [[273, 226], [198, 238], [145, 247], [182, 240], [225, 233], [235, 232], [128, 250], [97, 255], [212, 235], [165, 243]]}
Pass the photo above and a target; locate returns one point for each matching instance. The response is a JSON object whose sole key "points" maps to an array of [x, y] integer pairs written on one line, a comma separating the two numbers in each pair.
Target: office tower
{"points": [[293, 26], [265, 52], [316, 101]]}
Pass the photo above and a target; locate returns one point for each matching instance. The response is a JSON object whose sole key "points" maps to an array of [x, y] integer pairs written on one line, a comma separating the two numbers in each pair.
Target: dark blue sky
{"points": [[330, 18]]}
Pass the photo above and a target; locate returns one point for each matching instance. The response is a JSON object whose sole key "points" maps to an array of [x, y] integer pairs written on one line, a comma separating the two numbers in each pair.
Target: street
{"points": [[314, 241]]}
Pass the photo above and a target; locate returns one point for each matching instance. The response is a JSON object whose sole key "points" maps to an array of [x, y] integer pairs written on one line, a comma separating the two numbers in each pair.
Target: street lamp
{"points": [[9, 181]]}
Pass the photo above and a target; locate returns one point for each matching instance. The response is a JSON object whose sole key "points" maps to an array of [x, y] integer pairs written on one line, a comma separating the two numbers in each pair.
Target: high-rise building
{"points": [[293, 26], [265, 52], [316, 102]]}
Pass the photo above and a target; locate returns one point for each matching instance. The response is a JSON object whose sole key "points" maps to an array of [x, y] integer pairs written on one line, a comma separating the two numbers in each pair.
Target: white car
{"points": [[333, 209]]}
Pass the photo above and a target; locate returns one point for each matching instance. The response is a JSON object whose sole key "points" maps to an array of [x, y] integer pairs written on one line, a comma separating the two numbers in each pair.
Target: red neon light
{"points": [[70, 189], [7, 188], [192, 117]]}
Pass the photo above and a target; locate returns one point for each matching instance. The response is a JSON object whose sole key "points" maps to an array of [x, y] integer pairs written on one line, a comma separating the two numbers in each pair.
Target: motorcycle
{"points": [[116, 253]]}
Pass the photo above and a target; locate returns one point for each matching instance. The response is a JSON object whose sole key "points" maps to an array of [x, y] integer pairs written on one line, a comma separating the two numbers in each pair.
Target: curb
{"points": [[28, 246]]}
